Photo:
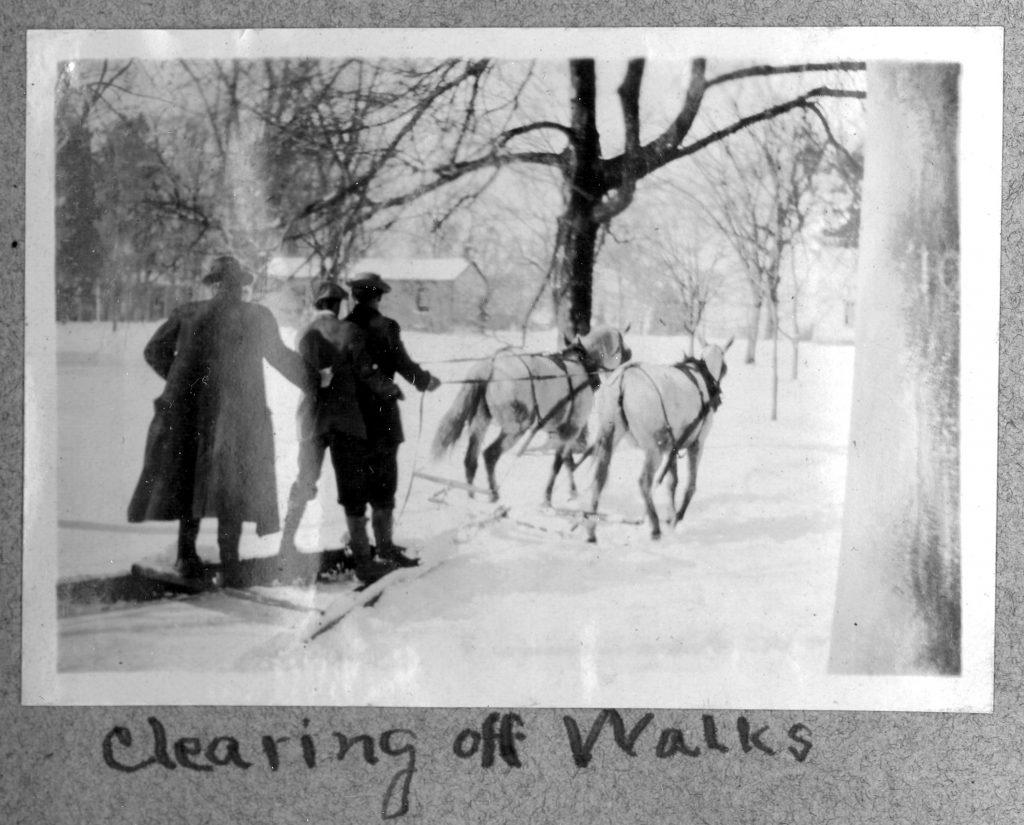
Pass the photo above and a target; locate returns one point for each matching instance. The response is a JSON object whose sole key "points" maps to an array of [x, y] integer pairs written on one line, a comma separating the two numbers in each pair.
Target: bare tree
{"points": [[596, 189], [693, 270], [758, 194], [354, 142]]}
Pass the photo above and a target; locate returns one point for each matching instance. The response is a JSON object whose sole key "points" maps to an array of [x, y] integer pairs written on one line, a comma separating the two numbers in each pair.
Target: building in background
{"points": [[430, 294]]}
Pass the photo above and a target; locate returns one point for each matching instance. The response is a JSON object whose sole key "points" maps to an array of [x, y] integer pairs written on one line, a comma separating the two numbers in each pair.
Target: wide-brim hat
{"points": [[227, 269], [368, 282], [328, 291]]}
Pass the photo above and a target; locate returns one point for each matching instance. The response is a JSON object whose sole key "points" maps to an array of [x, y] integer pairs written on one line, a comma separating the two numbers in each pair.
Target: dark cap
{"points": [[227, 269], [366, 282], [328, 291]]}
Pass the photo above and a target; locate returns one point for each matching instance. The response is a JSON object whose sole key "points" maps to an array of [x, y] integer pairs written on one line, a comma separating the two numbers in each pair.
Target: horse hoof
{"points": [[656, 535], [493, 497], [591, 539]]}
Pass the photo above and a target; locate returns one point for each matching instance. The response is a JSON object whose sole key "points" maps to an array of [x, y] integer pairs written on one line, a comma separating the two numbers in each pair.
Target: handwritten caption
{"points": [[499, 739]]}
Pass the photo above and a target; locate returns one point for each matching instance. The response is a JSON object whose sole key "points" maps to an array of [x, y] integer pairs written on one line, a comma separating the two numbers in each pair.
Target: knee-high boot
{"points": [[368, 569], [188, 564], [229, 534], [383, 530]]}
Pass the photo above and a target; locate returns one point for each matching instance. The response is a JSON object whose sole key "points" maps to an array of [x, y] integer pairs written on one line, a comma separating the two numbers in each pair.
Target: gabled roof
{"points": [[412, 269]]}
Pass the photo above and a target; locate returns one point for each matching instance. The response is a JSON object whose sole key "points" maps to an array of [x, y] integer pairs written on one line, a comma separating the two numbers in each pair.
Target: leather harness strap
{"points": [[691, 368], [592, 382], [533, 386], [710, 404]]}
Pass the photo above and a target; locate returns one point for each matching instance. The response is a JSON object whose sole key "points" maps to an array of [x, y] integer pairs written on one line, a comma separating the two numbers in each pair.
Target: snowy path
{"points": [[741, 591]]}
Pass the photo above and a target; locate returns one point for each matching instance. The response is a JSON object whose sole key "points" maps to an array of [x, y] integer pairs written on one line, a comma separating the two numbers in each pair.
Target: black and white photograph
{"points": [[527, 368]]}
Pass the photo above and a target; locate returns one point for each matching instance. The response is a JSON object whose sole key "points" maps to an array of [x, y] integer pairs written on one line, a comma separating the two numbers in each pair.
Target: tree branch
{"points": [[508, 135], [472, 70], [629, 97], [795, 68], [802, 102], [679, 128]]}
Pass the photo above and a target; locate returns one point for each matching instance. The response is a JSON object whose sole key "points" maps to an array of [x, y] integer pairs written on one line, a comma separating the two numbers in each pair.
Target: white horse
{"points": [[528, 392], [666, 409]]}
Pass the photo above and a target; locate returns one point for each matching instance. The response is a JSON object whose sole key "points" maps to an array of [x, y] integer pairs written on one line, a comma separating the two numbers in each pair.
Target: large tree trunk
{"points": [[577, 229], [898, 598]]}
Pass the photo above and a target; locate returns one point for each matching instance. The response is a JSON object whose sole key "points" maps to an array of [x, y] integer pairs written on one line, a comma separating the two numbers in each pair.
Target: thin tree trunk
{"points": [[795, 371], [753, 328], [773, 317], [898, 597]]}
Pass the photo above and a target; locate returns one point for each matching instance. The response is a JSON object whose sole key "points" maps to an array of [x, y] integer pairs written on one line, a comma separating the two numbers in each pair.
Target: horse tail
{"points": [[469, 404]]}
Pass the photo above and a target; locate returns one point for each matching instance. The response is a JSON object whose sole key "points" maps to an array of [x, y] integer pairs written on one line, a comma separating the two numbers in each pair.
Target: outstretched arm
{"points": [[287, 362], [405, 366]]}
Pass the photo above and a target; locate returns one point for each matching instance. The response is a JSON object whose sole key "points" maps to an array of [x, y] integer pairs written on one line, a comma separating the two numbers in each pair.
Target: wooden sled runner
{"points": [[582, 515], [368, 595], [452, 483]]}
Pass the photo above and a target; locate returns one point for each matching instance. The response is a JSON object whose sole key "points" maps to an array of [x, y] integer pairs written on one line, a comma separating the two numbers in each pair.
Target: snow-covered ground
{"points": [[735, 603]]}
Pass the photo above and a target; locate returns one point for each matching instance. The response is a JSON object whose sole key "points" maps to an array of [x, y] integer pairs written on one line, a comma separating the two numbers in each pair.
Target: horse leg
{"points": [[602, 458], [673, 483], [492, 453], [570, 469], [693, 454], [471, 461], [556, 466], [646, 481]]}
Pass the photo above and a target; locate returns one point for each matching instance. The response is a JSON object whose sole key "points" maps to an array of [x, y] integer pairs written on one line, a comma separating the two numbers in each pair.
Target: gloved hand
{"points": [[433, 383]]}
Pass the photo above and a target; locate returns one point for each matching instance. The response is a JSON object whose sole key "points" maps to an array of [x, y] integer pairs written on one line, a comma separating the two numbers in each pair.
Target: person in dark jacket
{"points": [[378, 477], [330, 417], [210, 446]]}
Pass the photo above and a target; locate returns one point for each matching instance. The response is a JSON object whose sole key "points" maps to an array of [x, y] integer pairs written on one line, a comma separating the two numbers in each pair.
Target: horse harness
{"points": [[575, 353], [692, 368]]}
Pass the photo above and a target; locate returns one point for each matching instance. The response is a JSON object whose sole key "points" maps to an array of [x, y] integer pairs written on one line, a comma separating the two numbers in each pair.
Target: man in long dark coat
{"points": [[210, 447], [330, 417], [378, 469]]}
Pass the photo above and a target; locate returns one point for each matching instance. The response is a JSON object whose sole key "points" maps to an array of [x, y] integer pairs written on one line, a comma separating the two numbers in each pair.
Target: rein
{"points": [[412, 475]]}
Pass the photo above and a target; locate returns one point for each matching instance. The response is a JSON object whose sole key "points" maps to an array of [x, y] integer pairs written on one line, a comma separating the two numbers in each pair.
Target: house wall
{"points": [[436, 306], [468, 292], [420, 305]]}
